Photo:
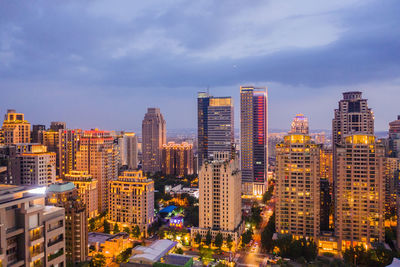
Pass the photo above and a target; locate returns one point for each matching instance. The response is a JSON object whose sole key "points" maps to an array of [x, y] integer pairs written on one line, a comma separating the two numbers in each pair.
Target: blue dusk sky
{"points": [[102, 63]]}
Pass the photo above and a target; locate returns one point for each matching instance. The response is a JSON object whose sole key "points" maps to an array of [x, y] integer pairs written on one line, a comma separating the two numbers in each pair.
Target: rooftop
{"points": [[61, 187], [154, 252]]}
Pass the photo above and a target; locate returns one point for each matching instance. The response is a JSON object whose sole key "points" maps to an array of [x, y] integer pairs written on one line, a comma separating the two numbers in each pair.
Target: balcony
{"points": [[54, 241], [55, 255]]}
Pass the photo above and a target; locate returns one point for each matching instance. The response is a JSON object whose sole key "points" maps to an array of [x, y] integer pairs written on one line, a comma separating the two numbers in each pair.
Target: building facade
{"points": [[394, 138], [98, 156], [359, 196], [31, 234], [130, 150], [87, 190], [15, 129], [298, 186], [299, 124], [254, 140], [132, 201], [68, 150], [215, 126], [177, 159], [220, 204], [154, 135], [65, 195]]}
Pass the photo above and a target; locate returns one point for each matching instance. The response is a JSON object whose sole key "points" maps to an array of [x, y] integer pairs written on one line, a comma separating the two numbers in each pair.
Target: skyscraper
{"points": [[220, 198], [65, 195], [300, 124], [37, 133], [254, 139], [153, 137], [58, 125], [215, 126], [298, 186], [130, 150], [15, 129], [359, 196], [394, 138], [51, 139], [69, 147], [97, 155]]}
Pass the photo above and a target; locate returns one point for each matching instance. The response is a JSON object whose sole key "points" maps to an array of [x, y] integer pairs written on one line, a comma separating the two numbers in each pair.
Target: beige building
{"points": [[99, 157], [15, 129], [130, 151], [220, 198], [154, 135], [87, 190], [31, 234], [65, 195], [177, 159], [132, 201], [298, 186], [51, 139], [34, 165], [391, 184], [299, 125], [68, 150], [359, 191]]}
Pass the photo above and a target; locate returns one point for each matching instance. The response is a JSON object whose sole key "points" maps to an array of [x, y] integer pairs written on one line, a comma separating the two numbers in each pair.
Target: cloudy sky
{"points": [[102, 63]]}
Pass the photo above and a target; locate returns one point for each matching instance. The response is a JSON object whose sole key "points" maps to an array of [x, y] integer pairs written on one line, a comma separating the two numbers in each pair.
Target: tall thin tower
{"points": [[254, 139], [154, 135]]}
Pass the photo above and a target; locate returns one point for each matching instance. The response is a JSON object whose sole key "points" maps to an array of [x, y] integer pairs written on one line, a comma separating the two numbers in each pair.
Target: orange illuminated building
{"points": [[177, 159], [15, 129]]}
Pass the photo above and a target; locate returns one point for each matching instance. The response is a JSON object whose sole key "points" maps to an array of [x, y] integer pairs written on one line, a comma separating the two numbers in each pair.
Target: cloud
{"points": [[157, 50]]}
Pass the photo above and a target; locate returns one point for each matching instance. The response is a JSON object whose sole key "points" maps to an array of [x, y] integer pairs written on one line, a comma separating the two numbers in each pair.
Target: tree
{"points": [[124, 255], [208, 238], [268, 194], [229, 242], [107, 227], [127, 230], [116, 228], [197, 239], [247, 237], [92, 224], [136, 231], [256, 218], [266, 236], [219, 240], [99, 260], [179, 251]]}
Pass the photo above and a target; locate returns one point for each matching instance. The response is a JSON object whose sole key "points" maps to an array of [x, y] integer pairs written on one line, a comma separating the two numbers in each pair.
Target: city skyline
{"points": [[124, 60]]}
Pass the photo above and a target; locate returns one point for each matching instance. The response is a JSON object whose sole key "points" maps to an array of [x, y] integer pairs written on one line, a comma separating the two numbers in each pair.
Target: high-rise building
{"points": [[299, 124], [177, 159], [254, 139], [391, 183], [298, 186], [394, 138], [8, 161], [359, 196], [52, 140], [65, 195], [132, 201], [130, 151], [220, 204], [31, 234], [69, 147], [97, 155], [34, 165], [215, 126], [154, 135], [352, 116], [326, 200], [87, 190], [58, 125], [37, 133], [15, 128]]}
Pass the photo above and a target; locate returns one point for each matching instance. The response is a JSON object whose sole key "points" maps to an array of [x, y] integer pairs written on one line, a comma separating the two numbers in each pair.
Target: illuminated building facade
{"points": [[98, 156], [394, 138], [391, 183], [15, 128], [132, 201], [299, 124], [51, 139], [69, 147], [215, 126], [37, 133], [154, 135], [31, 234], [220, 204], [58, 125], [65, 195], [177, 159], [254, 140], [34, 165], [87, 190], [359, 196], [298, 186]]}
